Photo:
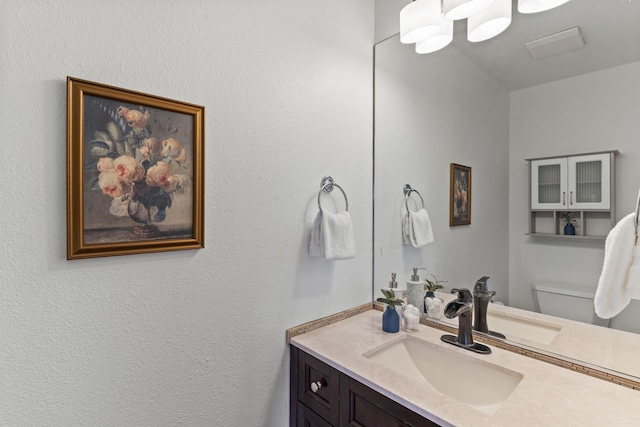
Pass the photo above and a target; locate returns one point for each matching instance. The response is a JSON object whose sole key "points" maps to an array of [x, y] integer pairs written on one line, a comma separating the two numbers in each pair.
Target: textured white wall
{"points": [[593, 112], [191, 338], [388, 17], [431, 111]]}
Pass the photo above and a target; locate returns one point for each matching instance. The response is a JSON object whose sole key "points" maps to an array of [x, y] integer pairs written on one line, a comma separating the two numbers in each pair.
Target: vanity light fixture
{"points": [[490, 22], [461, 9], [429, 23], [535, 6], [439, 40], [419, 20]]}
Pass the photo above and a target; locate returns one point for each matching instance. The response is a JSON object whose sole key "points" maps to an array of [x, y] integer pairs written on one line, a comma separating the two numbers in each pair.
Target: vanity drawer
{"points": [[319, 387], [364, 407]]}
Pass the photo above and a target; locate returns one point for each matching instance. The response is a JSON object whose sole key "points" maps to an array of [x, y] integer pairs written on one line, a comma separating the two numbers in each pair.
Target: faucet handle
{"points": [[464, 294], [481, 285]]}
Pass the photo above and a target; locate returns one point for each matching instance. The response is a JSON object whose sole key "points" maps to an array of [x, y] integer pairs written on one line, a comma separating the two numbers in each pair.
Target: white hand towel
{"points": [[337, 236], [315, 243], [405, 229], [633, 281], [613, 293], [417, 229]]}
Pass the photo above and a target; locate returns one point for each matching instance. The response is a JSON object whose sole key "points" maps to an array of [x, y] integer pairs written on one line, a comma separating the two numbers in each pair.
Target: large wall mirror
{"points": [[490, 106]]}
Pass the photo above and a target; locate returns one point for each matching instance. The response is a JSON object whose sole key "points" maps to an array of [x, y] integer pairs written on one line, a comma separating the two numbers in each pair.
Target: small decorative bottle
{"points": [[390, 320], [393, 285], [390, 317]]}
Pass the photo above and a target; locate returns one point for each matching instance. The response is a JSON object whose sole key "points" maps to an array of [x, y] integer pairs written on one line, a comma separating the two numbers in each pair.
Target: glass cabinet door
{"points": [[549, 184], [589, 182]]}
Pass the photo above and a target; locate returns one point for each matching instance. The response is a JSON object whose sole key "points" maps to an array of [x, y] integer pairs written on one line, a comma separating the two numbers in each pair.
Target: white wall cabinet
{"points": [[583, 184]]}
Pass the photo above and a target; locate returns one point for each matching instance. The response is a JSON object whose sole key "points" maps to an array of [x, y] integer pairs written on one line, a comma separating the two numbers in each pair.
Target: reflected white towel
{"points": [[420, 228], [633, 281], [615, 287], [332, 236], [416, 228], [405, 229]]}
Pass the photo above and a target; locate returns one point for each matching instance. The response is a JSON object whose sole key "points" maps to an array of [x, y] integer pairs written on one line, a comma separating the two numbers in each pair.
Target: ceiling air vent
{"points": [[556, 43]]}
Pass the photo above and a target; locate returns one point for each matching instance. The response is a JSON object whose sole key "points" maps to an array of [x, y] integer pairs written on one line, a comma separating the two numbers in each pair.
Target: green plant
{"points": [[568, 218], [390, 299], [435, 284]]}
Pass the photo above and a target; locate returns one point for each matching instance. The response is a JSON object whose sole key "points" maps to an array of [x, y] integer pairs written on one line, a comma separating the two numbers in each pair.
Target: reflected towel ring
{"points": [[407, 192], [327, 185]]}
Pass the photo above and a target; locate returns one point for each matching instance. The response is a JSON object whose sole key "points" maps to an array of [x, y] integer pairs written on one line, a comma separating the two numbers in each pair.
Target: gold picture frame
{"points": [[460, 195], [135, 172]]}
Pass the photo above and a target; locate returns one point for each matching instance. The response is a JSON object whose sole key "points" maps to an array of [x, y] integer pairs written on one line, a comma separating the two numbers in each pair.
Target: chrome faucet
{"points": [[481, 298], [462, 308]]}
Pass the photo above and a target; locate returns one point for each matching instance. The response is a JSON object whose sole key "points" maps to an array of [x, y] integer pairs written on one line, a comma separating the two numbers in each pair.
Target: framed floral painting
{"points": [[460, 199], [135, 172]]}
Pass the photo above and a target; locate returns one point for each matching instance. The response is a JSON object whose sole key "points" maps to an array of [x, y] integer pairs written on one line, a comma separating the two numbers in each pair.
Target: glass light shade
{"points": [[419, 20], [439, 40], [535, 6], [461, 9], [490, 22]]}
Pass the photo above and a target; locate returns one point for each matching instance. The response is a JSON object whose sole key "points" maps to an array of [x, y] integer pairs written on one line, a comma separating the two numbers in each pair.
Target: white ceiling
{"points": [[610, 28]]}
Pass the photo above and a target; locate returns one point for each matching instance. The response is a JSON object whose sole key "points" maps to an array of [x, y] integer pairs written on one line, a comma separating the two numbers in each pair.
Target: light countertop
{"points": [[607, 348], [547, 395]]}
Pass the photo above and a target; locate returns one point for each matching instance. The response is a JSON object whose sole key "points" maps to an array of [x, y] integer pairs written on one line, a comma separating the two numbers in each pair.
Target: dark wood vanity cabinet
{"points": [[321, 396]]}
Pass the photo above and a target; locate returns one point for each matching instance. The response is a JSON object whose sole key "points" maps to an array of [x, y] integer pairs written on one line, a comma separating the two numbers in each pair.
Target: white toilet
{"points": [[566, 300]]}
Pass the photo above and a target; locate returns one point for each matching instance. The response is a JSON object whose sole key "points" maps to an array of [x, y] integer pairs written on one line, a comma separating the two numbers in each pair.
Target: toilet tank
{"points": [[569, 301]]}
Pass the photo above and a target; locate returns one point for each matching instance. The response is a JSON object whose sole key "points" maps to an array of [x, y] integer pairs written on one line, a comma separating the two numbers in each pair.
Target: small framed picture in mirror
{"points": [[460, 198]]}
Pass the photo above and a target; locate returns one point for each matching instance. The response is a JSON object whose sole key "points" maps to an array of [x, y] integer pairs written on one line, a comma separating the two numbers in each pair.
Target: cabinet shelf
{"points": [[564, 236], [590, 224]]}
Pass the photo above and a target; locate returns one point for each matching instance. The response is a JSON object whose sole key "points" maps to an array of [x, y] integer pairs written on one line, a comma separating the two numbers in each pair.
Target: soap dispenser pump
{"points": [[393, 285], [415, 290]]}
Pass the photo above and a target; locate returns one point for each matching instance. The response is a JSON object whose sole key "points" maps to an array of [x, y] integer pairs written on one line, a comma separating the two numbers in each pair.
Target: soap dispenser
{"points": [[415, 290]]}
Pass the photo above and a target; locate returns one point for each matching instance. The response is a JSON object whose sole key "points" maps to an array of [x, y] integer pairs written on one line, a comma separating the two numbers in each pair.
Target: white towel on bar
{"points": [[633, 281], [620, 277], [315, 244], [332, 236], [416, 228], [405, 229]]}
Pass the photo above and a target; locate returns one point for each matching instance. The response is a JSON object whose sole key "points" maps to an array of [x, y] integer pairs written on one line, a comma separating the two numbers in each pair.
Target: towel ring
{"points": [[407, 192], [327, 185]]}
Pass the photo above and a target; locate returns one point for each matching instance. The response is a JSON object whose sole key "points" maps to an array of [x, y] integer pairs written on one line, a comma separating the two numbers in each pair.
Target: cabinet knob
{"points": [[315, 386], [571, 197], [564, 198]]}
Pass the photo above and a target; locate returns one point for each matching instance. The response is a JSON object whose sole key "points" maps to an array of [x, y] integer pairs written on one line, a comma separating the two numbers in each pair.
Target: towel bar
{"points": [[407, 192], [327, 185]]}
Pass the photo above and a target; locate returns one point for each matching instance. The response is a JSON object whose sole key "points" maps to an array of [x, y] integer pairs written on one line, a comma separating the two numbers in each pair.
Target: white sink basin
{"points": [[467, 379], [517, 327]]}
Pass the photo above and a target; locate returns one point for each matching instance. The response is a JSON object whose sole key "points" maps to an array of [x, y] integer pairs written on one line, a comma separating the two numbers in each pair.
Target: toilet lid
{"points": [[565, 289]]}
